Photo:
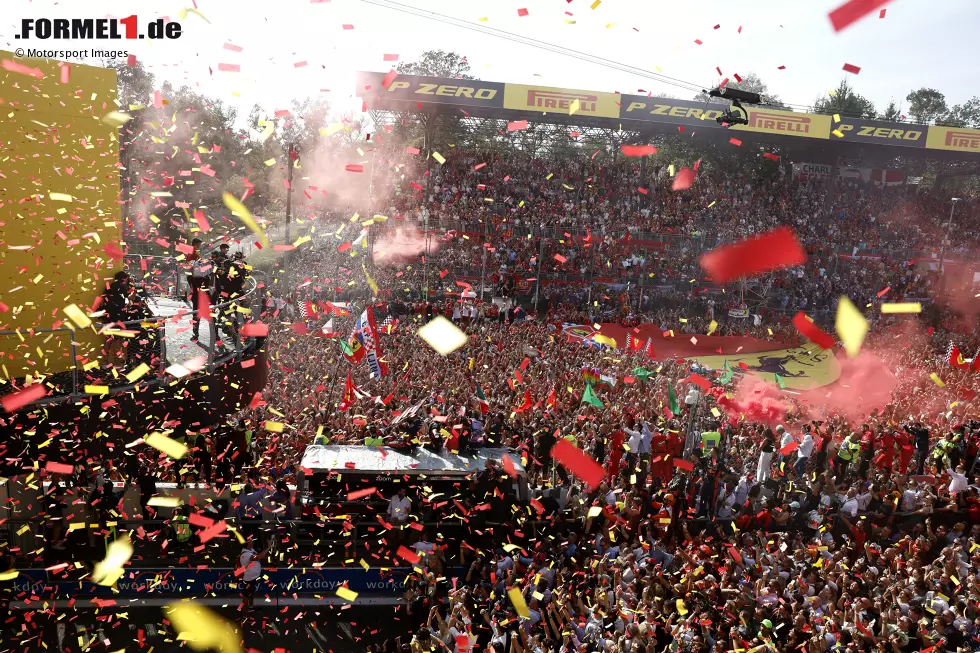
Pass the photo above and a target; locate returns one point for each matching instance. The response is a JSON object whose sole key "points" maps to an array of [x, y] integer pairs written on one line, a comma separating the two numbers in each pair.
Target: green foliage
{"points": [[926, 104], [437, 63], [845, 101]]}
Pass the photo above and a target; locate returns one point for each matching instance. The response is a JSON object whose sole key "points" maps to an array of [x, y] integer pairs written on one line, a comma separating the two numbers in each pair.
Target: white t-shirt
{"points": [[253, 568]]}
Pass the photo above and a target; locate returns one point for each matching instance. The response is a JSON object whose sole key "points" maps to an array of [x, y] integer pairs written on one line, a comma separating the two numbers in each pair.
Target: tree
{"points": [[891, 113], [751, 83], [926, 104], [963, 115], [845, 101], [134, 92], [437, 63]]}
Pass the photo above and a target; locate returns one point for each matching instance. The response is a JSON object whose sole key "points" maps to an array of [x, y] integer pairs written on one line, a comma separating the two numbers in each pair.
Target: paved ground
{"points": [[180, 347], [288, 629]]}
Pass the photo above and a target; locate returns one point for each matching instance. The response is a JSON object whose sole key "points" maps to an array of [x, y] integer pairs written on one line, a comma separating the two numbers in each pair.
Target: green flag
{"points": [[344, 346], [641, 373], [779, 382], [589, 397], [674, 408], [727, 376]]}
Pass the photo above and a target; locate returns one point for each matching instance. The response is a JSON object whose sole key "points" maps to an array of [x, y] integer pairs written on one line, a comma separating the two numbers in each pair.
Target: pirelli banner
{"points": [[408, 92], [411, 92]]}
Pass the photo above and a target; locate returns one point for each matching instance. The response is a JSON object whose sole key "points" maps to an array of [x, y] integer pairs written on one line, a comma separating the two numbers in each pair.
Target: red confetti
{"points": [[737, 78], [812, 332], [642, 190], [299, 64], [522, 12], [255, 329], [360, 494], [203, 306], [508, 465], [848, 68], [408, 555], [638, 150], [718, 26], [389, 78], [700, 381], [776, 249], [131, 60], [718, 68], [770, 156], [517, 125], [698, 41], [687, 465], [391, 57], [14, 67], [343, 247], [560, 258], [782, 68], [579, 464], [853, 11], [348, 27], [58, 468], [233, 48], [882, 13], [17, 400], [789, 448], [229, 67], [683, 179], [354, 167], [735, 142]]}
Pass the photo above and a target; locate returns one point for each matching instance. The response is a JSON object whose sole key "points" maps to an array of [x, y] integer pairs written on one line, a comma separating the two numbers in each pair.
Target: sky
{"points": [[916, 44]]}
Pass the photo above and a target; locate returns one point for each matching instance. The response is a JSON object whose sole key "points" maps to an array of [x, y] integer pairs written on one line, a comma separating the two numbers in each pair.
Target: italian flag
{"points": [[482, 399]]}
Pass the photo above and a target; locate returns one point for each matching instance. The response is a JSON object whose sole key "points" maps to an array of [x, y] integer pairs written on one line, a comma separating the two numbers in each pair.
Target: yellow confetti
{"points": [[60, 197], [442, 335], [681, 608], [138, 372], [712, 327], [9, 575], [201, 628], [838, 133], [237, 208], [438, 157], [596, 4], [111, 569], [907, 307], [163, 502], [346, 594], [77, 316], [162, 443], [935, 379], [484, 19], [96, 389], [187, 10], [518, 600], [594, 511], [275, 427], [574, 107], [371, 282], [270, 162], [851, 326], [116, 118], [836, 117]]}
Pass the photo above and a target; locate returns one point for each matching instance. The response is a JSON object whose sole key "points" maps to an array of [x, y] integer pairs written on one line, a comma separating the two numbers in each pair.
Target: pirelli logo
{"points": [[780, 122], [966, 140], [558, 101]]}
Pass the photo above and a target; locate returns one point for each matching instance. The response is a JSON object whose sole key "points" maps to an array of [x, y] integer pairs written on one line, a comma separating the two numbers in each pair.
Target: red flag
{"points": [[552, 399], [956, 359], [651, 354], [528, 402], [578, 463], [350, 394], [812, 332]]}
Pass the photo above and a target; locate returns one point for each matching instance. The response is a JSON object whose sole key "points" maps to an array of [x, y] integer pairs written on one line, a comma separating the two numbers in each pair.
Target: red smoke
{"points": [[400, 245], [865, 383], [758, 401]]}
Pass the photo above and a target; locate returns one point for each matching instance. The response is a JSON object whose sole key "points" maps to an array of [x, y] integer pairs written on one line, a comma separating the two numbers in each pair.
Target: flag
{"points": [[635, 344], [308, 311], [482, 399], [336, 309], [780, 383], [589, 397], [326, 331], [366, 330], [651, 354], [350, 394], [552, 399], [727, 376], [976, 362], [955, 358], [353, 349], [388, 325], [528, 402], [672, 400]]}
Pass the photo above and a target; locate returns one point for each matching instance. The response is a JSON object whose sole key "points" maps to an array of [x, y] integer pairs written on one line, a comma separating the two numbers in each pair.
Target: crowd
{"points": [[726, 519]]}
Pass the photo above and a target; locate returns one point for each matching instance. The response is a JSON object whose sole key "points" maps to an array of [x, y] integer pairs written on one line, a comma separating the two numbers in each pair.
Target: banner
{"points": [[218, 581], [405, 90], [812, 170], [800, 368], [675, 112], [544, 99], [874, 132], [367, 332], [953, 138], [772, 121]]}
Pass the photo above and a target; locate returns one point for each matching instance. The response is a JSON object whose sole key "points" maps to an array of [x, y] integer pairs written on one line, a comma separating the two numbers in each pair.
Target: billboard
{"points": [[407, 92], [410, 90]]}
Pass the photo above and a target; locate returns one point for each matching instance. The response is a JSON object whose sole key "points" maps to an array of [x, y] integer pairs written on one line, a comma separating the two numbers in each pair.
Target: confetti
{"points": [[851, 325], [162, 443], [346, 594], [907, 307], [442, 335], [638, 150], [201, 628], [853, 11], [935, 379], [848, 68], [58, 468], [111, 568], [229, 67], [522, 12], [812, 332], [439, 158], [683, 180], [238, 209], [17, 400], [771, 251], [517, 599], [575, 461]]}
